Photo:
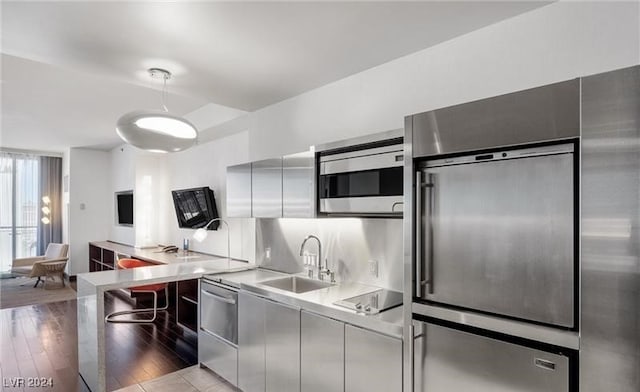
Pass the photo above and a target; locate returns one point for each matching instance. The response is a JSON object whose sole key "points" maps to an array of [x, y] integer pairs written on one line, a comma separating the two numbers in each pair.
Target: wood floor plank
{"points": [[41, 340]]}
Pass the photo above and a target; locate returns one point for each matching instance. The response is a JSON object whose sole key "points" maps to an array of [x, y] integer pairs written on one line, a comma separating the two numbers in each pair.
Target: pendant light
{"points": [[157, 130]]}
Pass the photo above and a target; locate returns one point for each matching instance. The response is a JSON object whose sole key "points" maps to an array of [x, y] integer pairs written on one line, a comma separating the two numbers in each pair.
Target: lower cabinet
{"points": [[372, 361], [251, 343], [268, 345], [321, 354], [284, 349]]}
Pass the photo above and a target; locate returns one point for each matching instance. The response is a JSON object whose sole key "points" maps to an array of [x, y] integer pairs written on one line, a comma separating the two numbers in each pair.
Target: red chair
{"points": [[151, 288]]}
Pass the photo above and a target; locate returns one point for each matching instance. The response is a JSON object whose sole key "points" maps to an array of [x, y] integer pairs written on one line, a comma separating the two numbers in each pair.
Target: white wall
{"points": [[150, 198], [123, 178], [557, 42], [89, 198], [205, 165]]}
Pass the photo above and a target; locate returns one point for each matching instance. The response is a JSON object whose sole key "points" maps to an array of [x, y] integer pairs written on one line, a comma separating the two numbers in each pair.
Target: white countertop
{"points": [[120, 278], [154, 255]]}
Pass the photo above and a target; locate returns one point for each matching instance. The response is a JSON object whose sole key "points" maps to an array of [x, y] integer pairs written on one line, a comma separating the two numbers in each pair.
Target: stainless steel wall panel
{"points": [[610, 265], [546, 113], [346, 243], [298, 185], [321, 354], [239, 191]]}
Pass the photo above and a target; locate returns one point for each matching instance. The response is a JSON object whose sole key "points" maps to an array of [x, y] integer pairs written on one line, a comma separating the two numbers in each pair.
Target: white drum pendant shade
{"points": [[156, 131]]}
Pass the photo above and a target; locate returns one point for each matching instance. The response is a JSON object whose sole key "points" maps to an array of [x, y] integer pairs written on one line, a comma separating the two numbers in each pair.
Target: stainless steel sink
{"points": [[296, 284]]}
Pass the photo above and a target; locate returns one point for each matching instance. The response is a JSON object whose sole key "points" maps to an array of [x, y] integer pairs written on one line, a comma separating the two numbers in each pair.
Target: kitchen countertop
{"points": [[319, 301], [154, 255]]}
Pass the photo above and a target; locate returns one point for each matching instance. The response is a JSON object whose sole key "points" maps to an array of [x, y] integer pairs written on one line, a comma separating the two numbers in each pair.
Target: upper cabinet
{"points": [[273, 188], [266, 188], [298, 185], [239, 191]]}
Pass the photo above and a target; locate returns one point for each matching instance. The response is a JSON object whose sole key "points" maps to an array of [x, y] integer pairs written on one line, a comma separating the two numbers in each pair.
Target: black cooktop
{"points": [[373, 302]]}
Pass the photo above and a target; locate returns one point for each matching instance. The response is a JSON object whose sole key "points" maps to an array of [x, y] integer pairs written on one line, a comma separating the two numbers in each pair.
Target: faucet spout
{"points": [[307, 238]]}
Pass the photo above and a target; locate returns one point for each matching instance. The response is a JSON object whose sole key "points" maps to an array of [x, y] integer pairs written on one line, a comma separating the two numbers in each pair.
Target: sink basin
{"points": [[296, 284]]}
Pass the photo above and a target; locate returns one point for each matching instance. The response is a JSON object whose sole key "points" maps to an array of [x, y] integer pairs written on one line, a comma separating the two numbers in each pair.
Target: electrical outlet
{"points": [[373, 268], [267, 253]]}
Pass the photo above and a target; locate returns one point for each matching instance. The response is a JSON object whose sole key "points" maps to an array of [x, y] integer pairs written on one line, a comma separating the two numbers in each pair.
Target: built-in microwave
{"points": [[363, 181]]}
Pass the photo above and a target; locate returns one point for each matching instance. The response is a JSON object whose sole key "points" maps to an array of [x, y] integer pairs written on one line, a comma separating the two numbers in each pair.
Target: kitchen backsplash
{"points": [[347, 243]]}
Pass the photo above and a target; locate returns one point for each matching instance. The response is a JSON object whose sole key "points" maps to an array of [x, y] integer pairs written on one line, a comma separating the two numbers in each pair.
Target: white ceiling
{"points": [[70, 69]]}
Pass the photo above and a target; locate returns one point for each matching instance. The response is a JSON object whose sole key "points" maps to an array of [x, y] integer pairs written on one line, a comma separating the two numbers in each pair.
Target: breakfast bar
{"points": [[91, 289]]}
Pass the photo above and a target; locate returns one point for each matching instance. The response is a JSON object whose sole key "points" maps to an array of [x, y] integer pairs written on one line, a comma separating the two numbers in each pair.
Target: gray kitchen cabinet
{"points": [[372, 361], [268, 345], [266, 188], [298, 185], [282, 347], [251, 343], [239, 191], [321, 354]]}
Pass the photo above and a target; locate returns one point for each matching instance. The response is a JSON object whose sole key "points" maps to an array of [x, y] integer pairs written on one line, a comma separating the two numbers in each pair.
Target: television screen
{"points": [[195, 208], [124, 204]]}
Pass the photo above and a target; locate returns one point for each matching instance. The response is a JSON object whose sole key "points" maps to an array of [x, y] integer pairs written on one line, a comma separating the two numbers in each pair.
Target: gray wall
{"points": [[347, 243]]}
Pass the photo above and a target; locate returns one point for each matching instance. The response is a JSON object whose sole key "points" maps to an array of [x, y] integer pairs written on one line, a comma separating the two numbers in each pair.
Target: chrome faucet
{"points": [[321, 270]]}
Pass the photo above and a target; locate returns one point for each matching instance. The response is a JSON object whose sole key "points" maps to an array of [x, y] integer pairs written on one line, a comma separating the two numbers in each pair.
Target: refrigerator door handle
{"points": [[418, 237], [428, 279], [432, 207]]}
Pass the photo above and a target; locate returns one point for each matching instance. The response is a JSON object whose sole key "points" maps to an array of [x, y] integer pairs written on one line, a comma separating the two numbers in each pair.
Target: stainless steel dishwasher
{"points": [[218, 329]]}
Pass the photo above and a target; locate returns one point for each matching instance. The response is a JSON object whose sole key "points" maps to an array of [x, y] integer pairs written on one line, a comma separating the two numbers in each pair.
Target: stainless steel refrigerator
{"points": [[521, 240], [493, 243]]}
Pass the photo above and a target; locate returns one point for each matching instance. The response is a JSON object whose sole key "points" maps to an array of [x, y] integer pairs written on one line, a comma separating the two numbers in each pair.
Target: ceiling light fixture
{"points": [[157, 130]]}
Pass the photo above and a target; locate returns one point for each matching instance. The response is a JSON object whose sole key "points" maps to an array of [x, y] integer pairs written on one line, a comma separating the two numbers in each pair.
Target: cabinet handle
{"points": [[219, 297]]}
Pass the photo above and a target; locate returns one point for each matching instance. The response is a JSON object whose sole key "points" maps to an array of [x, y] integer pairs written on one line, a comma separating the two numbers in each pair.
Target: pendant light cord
{"points": [[164, 93]]}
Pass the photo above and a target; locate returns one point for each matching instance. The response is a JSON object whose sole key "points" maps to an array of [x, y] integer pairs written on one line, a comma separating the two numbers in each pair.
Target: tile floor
{"points": [[191, 379]]}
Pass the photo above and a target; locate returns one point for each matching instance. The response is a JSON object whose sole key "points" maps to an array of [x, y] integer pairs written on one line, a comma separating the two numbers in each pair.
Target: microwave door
{"points": [[498, 237]]}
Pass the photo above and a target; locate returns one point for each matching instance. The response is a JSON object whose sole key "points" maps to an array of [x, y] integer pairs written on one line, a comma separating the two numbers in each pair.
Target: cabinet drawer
{"points": [[219, 312], [219, 356]]}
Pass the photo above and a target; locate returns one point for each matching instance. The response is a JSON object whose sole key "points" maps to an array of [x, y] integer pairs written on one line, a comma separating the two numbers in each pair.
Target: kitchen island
{"points": [[91, 289]]}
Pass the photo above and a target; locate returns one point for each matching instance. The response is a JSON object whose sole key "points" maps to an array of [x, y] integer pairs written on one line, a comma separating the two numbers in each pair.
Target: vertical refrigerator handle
{"points": [[418, 234], [420, 280], [432, 207]]}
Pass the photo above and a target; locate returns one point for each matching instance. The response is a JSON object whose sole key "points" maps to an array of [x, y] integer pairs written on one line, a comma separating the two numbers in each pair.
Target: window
{"points": [[19, 207]]}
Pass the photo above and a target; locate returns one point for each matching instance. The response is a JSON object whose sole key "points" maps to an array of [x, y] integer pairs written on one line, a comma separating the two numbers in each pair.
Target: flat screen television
{"points": [[124, 208], [195, 207]]}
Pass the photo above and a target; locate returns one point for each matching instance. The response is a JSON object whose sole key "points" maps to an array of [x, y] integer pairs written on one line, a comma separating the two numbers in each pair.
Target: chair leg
{"points": [[110, 318], [38, 281]]}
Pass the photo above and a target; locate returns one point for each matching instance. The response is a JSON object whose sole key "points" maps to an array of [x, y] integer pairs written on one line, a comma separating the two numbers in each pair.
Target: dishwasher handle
{"points": [[217, 297]]}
